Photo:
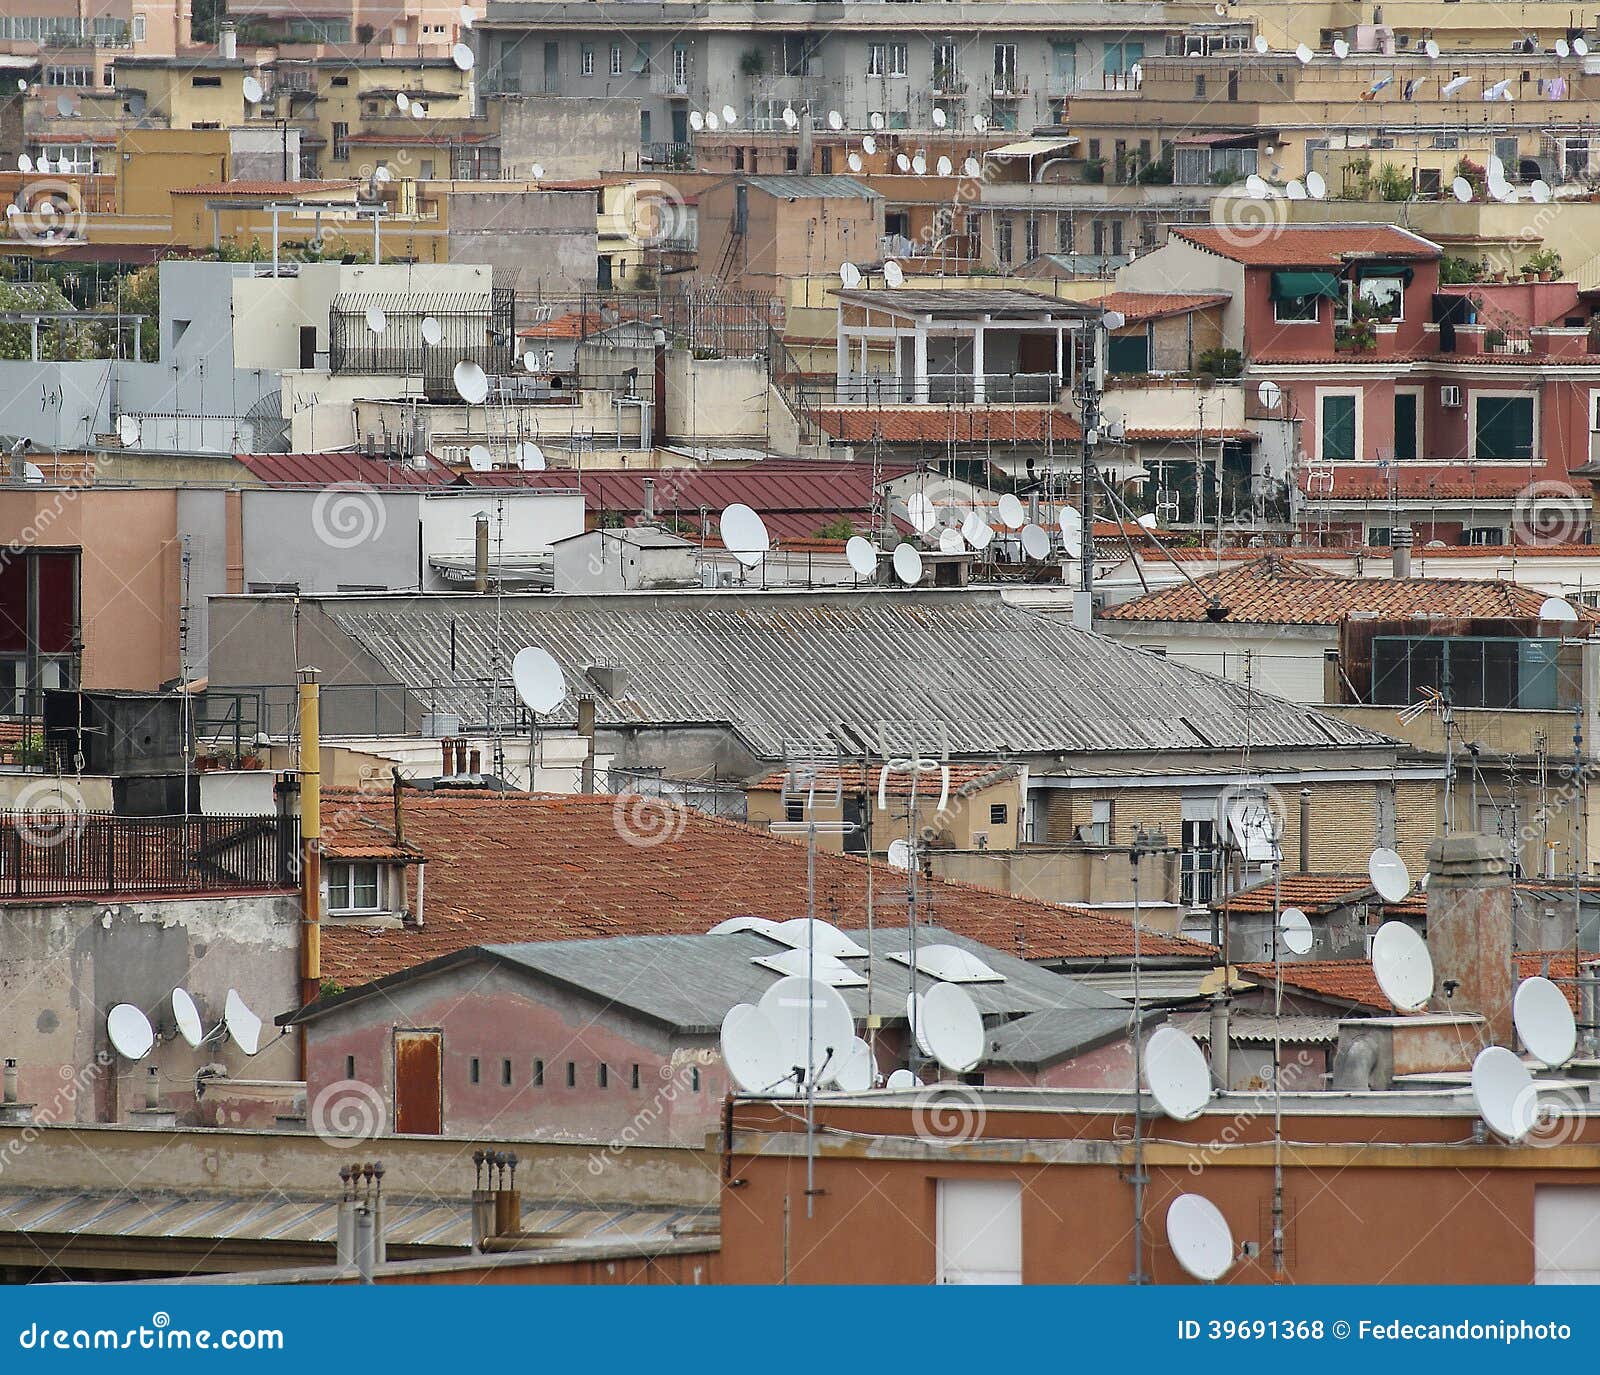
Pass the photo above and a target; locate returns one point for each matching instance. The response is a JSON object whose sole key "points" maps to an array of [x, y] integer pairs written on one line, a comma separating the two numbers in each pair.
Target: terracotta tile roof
{"points": [[1310, 246], [942, 425], [1186, 433], [575, 324], [503, 868], [285, 189], [1353, 981], [1468, 480], [1271, 591], [961, 776], [1319, 894], [1140, 306]]}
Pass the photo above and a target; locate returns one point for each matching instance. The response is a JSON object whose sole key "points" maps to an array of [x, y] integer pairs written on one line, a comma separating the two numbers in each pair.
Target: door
{"points": [[979, 1231], [308, 346], [419, 1082], [1064, 68], [680, 126], [1405, 426], [552, 68]]}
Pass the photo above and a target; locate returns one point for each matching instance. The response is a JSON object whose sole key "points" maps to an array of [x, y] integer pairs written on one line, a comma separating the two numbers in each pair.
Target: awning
{"points": [[1296, 286], [1398, 271], [1032, 147]]}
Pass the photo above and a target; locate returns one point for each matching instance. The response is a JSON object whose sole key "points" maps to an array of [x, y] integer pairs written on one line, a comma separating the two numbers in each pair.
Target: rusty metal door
{"points": [[419, 1082]]}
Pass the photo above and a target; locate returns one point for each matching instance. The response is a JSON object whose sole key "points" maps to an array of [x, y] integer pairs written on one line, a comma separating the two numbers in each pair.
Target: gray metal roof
{"points": [[785, 187], [999, 303], [781, 666], [1058, 1033]]}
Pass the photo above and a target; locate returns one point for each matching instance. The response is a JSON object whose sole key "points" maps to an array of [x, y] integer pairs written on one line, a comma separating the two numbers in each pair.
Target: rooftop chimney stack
{"points": [[228, 42], [1469, 929], [446, 755], [1400, 539], [648, 513]]}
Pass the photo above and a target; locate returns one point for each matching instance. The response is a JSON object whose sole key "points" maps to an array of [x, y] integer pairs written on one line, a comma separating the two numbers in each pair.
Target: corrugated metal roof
{"points": [[419, 303], [784, 187], [322, 470], [781, 666], [1059, 1032]]}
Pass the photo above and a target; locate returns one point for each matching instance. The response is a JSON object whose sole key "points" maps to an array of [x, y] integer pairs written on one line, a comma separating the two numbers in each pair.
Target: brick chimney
{"points": [[1469, 929]]}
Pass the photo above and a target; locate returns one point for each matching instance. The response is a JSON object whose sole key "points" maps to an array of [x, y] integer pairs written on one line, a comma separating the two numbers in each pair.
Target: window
{"points": [[572, 1074], [694, 1079], [1379, 536], [1502, 427], [586, 60], [680, 66], [794, 810], [1097, 830], [633, 1078], [616, 59], [1407, 415], [1005, 67], [897, 59], [349, 1066], [1385, 296], [1483, 535], [505, 1073], [474, 1069], [1030, 239], [979, 1226], [1063, 233], [341, 142], [1295, 310], [877, 59], [1199, 88], [205, 82], [354, 888], [998, 812], [602, 1076], [138, 28], [538, 1074], [1002, 242], [1336, 434], [640, 66]]}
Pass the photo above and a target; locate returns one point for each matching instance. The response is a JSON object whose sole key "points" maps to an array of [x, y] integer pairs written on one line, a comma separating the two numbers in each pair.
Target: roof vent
{"points": [[609, 679]]}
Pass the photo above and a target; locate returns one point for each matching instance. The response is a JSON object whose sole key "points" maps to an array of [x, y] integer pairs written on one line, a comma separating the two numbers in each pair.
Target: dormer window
{"points": [[357, 887]]}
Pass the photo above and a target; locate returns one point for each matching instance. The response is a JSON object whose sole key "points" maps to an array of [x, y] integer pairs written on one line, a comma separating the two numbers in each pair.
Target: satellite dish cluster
{"points": [[133, 1036]]}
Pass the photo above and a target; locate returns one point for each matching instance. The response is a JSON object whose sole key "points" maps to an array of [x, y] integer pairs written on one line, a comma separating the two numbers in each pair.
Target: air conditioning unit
{"points": [[1450, 397]]}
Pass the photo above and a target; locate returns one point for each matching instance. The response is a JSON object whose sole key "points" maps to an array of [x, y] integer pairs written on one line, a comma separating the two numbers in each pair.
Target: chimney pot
{"points": [[1400, 540], [475, 765], [446, 745], [461, 755]]}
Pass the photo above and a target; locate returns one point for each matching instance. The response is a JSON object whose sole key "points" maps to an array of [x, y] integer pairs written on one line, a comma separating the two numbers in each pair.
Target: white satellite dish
{"points": [[902, 162], [981, 123], [849, 276], [418, 110], [1389, 875], [43, 165], [1256, 188], [857, 1070], [1430, 48], [532, 360], [835, 120], [538, 679], [921, 512], [940, 119], [1580, 46], [971, 168], [976, 531], [744, 534], [130, 1031], [243, 1025], [432, 332], [855, 162], [1269, 394], [730, 116], [24, 163], [1070, 519], [713, 121], [472, 386], [1451, 87], [1261, 45], [1539, 189], [530, 457], [1341, 49], [1316, 186], [1461, 189], [468, 16], [1200, 1237], [402, 101], [127, 431], [382, 175], [919, 165], [753, 1051], [697, 121], [862, 555], [893, 274], [953, 1027], [1295, 929], [1563, 49], [944, 166], [869, 144], [1557, 609], [1035, 542], [1148, 521], [1176, 1072], [907, 564], [1544, 1021], [950, 541], [917, 1020], [902, 1079], [65, 106], [377, 321], [806, 1012], [789, 117], [461, 55], [1404, 968], [1011, 512], [1505, 1093], [479, 459], [1304, 54], [1295, 190], [899, 854], [252, 90], [876, 120], [1495, 169], [765, 925], [187, 1015]]}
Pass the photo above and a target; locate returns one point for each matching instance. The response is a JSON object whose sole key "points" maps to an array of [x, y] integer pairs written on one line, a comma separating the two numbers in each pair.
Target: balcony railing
{"points": [[945, 388]]}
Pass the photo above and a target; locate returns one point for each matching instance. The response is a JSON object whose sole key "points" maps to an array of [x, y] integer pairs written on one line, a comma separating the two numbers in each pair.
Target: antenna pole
{"points": [[1140, 1179], [811, 1001]]}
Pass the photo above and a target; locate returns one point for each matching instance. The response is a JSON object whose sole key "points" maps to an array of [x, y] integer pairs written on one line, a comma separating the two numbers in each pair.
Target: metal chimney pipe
{"points": [[806, 156], [1588, 1008], [1219, 1040], [1305, 830], [480, 566], [649, 512], [152, 1089], [1400, 539]]}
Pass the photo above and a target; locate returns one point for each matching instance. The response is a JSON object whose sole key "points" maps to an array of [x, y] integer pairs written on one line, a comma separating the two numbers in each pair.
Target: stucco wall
{"points": [[571, 137], [533, 240]]}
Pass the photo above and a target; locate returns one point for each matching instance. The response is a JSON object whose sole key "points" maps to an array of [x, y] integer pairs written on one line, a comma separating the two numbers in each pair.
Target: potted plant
{"points": [[1494, 338]]}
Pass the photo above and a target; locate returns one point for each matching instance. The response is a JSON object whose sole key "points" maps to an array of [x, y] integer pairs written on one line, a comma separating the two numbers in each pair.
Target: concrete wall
{"points": [[572, 137], [1282, 661], [332, 539], [1180, 266], [56, 405], [534, 241], [525, 522], [64, 965], [715, 400]]}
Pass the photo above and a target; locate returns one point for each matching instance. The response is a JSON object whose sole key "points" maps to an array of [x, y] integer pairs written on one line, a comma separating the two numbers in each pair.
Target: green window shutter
{"points": [[1128, 353], [1405, 426], [1339, 427], [1504, 428], [1295, 286]]}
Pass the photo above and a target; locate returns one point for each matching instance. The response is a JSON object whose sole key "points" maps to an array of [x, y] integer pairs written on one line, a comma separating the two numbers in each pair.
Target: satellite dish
{"points": [[730, 116], [130, 1031], [382, 175], [1316, 186], [1148, 521], [917, 1020], [919, 165], [1461, 189], [1495, 169], [1544, 1021], [835, 120], [540, 683], [1200, 1237], [1176, 1072], [1557, 609], [971, 167], [697, 121], [1341, 49], [907, 564], [418, 110], [1256, 188], [1580, 46], [921, 512], [402, 101], [806, 1012], [432, 332], [902, 1079], [1451, 87], [1113, 319], [944, 166], [187, 1016], [530, 457], [468, 16], [532, 360], [479, 459], [1505, 1094], [1070, 519], [1295, 191], [713, 121], [752, 1050], [1295, 928], [42, 165], [849, 276], [64, 106], [893, 274], [24, 163], [243, 1025], [1404, 968], [1261, 45], [461, 55], [1010, 511], [377, 321], [976, 531], [855, 162], [902, 162], [1304, 54], [862, 555], [127, 431], [980, 123], [900, 854], [1035, 543], [1563, 49], [1269, 394], [764, 925], [1430, 47], [789, 117], [953, 1027], [1389, 875], [857, 1069], [876, 121], [1540, 191], [252, 90], [950, 541], [940, 119], [472, 386], [869, 144], [744, 534]]}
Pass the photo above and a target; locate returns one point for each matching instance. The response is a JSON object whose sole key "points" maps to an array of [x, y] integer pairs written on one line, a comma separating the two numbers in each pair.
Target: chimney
{"points": [[1400, 549], [586, 730], [1469, 930], [446, 746], [806, 156], [1588, 1010], [227, 42], [1219, 1041], [1305, 830], [475, 763], [18, 471], [648, 514], [8, 1085], [480, 565], [461, 755], [399, 813]]}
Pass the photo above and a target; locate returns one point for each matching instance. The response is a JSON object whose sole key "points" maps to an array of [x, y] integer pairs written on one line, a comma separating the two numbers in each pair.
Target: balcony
{"points": [[999, 388]]}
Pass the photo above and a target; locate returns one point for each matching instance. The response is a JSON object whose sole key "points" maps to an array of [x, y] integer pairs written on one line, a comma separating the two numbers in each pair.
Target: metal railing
{"points": [[999, 388]]}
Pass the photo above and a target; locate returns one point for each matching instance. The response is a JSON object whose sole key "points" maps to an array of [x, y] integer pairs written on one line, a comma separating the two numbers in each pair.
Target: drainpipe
{"points": [[1305, 830], [586, 730], [480, 570], [310, 845], [1219, 1038]]}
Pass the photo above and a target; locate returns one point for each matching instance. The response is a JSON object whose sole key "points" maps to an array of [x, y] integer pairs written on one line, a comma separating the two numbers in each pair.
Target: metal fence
{"points": [[715, 321], [68, 853], [469, 328]]}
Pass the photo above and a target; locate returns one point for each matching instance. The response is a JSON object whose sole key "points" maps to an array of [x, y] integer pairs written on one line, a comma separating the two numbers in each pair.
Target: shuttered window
{"points": [[1339, 427], [1503, 428]]}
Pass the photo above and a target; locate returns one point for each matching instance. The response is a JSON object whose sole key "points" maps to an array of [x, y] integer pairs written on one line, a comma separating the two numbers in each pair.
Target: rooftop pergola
{"points": [[61, 318]]}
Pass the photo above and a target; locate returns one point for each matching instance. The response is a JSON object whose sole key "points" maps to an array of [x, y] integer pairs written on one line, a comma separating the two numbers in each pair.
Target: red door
{"points": [[419, 1082]]}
